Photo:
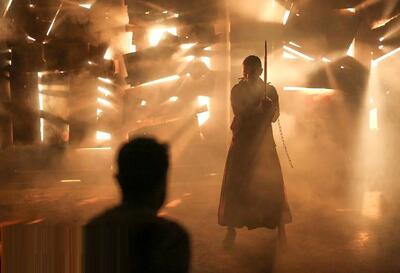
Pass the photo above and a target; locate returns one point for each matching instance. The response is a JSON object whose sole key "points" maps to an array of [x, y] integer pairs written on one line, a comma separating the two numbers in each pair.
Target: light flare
{"points": [[103, 136], [162, 80]]}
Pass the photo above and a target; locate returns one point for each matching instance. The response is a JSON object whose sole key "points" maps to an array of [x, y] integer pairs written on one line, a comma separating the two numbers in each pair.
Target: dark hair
{"points": [[253, 61], [142, 165]]}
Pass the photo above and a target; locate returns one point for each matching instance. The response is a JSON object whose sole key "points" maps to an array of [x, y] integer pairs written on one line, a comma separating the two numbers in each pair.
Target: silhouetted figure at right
{"points": [[131, 237]]}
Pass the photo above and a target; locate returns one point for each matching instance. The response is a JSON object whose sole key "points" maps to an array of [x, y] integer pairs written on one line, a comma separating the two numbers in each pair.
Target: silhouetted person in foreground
{"points": [[253, 193], [131, 237]]}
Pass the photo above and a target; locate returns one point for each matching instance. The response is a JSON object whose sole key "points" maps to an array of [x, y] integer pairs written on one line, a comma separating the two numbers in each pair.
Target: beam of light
{"points": [[381, 39], [173, 203], [351, 50], [286, 17], [297, 53], [103, 136], [352, 10], [206, 61], [208, 48], [143, 103], [187, 46], [104, 102], [7, 7], [373, 119], [286, 55], [104, 91], [70, 180], [95, 149], [204, 116], [383, 22], [326, 60], [162, 80], [53, 87], [99, 112], [384, 57], [157, 33], [273, 3], [173, 99], [54, 19], [294, 44], [37, 221], [105, 80], [30, 38], [108, 55], [165, 11], [310, 91], [86, 6]]}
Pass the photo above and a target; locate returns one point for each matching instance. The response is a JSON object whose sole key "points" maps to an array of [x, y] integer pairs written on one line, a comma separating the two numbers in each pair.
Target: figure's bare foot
{"points": [[229, 239]]}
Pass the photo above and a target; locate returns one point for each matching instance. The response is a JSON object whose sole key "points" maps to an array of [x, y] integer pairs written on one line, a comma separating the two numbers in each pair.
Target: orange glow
{"points": [[173, 203]]}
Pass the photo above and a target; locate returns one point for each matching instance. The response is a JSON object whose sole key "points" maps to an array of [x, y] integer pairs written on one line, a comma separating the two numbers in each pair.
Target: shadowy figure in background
{"points": [[253, 193], [131, 237]]}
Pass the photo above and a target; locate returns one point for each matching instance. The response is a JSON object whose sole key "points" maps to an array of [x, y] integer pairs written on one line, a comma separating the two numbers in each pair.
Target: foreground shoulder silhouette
{"points": [[131, 237]]}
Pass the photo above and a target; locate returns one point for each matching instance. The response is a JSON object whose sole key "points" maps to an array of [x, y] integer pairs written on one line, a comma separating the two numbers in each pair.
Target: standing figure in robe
{"points": [[253, 192]]}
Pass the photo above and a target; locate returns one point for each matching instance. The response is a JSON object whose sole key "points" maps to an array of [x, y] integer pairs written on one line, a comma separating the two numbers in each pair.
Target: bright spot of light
{"points": [[310, 91], [104, 91], [286, 55], [165, 11], [381, 47], [105, 80], [207, 48], [157, 33], [352, 10], [373, 119], [351, 50], [326, 60], [99, 112], [102, 136], [86, 6], [384, 57], [298, 53], [104, 102], [189, 58], [176, 15], [173, 99], [54, 19], [162, 80], [143, 103], [286, 17], [173, 203], [294, 44], [30, 38], [7, 7], [206, 61], [70, 180], [109, 54], [203, 101], [381, 39], [187, 46]]}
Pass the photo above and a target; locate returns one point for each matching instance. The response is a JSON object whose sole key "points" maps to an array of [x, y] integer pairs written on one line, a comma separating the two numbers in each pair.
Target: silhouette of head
{"points": [[142, 172], [252, 67]]}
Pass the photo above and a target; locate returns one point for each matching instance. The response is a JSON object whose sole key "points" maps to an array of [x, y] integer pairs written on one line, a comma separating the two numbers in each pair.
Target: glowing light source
{"points": [[373, 119], [86, 6], [162, 80], [310, 91], [286, 17], [156, 34], [187, 46], [103, 136], [381, 39], [143, 103], [7, 7], [206, 61], [174, 203], [352, 10], [351, 50], [105, 80], [104, 91], [54, 19], [207, 48], [286, 55], [294, 44], [297, 53], [203, 101], [381, 47], [99, 112], [108, 55], [70, 180], [30, 38], [104, 102], [189, 58], [326, 60], [173, 99], [384, 57]]}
